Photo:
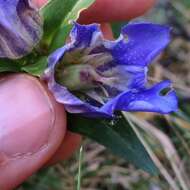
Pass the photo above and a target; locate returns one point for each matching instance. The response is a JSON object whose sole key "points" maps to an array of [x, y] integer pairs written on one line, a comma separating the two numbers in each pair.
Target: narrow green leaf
{"points": [[7, 65], [54, 13], [116, 28], [117, 136], [79, 6], [36, 69], [59, 13], [79, 176], [66, 25], [60, 37]]}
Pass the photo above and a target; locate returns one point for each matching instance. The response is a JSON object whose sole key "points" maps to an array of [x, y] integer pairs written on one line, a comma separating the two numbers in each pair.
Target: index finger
{"points": [[111, 10], [115, 10]]}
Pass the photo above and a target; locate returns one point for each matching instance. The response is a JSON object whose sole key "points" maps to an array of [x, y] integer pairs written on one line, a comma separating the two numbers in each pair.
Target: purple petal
{"points": [[83, 36], [20, 28], [122, 64], [140, 43], [149, 100], [71, 103]]}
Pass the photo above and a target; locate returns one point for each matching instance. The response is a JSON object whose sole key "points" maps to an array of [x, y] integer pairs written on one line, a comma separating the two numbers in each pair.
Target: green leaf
{"points": [[7, 65], [116, 28], [54, 13], [73, 15], [59, 13], [60, 37], [36, 69], [117, 136]]}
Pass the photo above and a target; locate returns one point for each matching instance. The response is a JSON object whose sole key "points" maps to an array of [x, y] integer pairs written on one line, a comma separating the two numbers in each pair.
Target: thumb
{"points": [[32, 126]]}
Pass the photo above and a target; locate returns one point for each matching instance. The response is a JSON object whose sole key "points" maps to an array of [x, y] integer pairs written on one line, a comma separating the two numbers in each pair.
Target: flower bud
{"points": [[20, 28]]}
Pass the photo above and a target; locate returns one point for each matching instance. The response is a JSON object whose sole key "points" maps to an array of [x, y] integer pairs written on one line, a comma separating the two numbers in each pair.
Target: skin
{"points": [[33, 130]]}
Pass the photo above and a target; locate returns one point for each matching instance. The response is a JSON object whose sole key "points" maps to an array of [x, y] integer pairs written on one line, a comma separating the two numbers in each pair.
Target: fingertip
{"points": [[39, 3], [70, 144], [110, 10], [107, 31], [114, 10], [32, 128]]}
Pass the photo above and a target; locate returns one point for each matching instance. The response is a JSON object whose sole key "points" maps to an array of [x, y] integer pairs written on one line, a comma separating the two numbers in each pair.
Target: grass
{"points": [[79, 176]]}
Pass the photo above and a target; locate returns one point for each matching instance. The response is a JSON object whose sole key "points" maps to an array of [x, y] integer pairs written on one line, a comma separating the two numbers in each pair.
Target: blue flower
{"points": [[96, 77], [20, 28]]}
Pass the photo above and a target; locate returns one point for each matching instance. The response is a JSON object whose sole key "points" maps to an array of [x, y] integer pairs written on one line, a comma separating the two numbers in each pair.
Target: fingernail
{"points": [[26, 116]]}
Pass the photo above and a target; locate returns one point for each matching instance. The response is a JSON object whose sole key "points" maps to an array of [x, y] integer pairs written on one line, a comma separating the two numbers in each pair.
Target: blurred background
{"points": [[167, 138]]}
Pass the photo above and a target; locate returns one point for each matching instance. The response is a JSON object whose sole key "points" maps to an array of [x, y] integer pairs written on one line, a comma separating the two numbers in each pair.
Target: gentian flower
{"points": [[96, 77], [20, 28]]}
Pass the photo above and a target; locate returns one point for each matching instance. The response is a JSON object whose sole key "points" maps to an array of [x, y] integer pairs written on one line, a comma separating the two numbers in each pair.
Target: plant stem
{"points": [[80, 168]]}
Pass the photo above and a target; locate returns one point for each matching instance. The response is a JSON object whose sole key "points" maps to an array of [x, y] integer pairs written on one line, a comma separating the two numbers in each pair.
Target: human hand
{"points": [[32, 125]]}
